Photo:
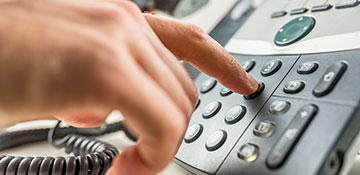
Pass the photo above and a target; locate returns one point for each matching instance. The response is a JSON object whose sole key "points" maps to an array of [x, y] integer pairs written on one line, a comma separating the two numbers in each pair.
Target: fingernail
{"points": [[253, 83]]}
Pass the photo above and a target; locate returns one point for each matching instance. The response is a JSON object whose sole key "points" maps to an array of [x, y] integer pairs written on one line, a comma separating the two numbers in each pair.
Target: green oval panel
{"points": [[294, 30]]}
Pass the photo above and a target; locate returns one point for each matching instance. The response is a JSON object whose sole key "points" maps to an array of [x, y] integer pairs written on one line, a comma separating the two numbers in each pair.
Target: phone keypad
{"points": [[243, 132]]}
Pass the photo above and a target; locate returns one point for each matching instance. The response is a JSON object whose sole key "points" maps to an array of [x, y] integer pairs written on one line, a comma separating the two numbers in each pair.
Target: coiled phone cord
{"points": [[91, 156]]}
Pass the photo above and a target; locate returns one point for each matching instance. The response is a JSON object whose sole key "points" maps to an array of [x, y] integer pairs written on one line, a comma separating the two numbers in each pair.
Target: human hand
{"points": [[79, 60]]}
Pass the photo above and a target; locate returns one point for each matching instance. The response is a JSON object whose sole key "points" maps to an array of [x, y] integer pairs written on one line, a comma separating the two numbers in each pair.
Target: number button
{"points": [[225, 92], [271, 67], [235, 114], [248, 65], [211, 109], [207, 85], [216, 140], [193, 133]]}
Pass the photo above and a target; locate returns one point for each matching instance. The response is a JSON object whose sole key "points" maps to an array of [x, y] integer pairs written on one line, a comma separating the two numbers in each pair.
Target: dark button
{"points": [[347, 4], [264, 129], [248, 65], [292, 134], [211, 109], [257, 93], [216, 140], [207, 85], [298, 11], [278, 14], [271, 67], [193, 133], [323, 7], [225, 92], [294, 30], [328, 81], [279, 107], [293, 87], [235, 114], [307, 67], [248, 152]]}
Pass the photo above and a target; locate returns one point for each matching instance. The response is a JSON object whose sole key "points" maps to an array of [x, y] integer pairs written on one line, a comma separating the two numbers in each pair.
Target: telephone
{"points": [[305, 117]]}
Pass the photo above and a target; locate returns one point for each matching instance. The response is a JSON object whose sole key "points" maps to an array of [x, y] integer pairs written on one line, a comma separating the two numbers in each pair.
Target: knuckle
{"points": [[196, 32]]}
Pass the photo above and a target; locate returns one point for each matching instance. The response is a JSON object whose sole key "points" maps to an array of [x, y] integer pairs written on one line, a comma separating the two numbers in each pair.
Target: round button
{"points": [[294, 30], [225, 92], [257, 93], [293, 87], [271, 67], [193, 133], [308, 67], [248, 152], [211, 109], [279, 107], [248, 65], [264, 129], [235, 114], [216, 140], [207, 85]]}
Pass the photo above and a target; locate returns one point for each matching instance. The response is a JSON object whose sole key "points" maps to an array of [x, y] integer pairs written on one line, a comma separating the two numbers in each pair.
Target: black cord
{"points": [[91, 156]]}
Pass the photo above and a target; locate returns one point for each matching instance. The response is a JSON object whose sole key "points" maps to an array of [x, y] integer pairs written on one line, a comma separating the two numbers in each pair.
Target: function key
{"points": [[347, 4], [211, 109], [278, 14], [322, 7], [257, 93], [225, 92], [330, 78], [298, 11], [285, 144], [294, 30], [248, 152], [235, 114], [279, 107], [308, 67], [207, 85], [216, 140], [264, 129], [293, 87], [271, 67], [248, 65], [193, 133]]}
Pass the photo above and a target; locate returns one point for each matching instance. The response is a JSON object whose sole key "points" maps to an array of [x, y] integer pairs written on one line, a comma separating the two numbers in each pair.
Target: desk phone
{"points": [[305, 117]]}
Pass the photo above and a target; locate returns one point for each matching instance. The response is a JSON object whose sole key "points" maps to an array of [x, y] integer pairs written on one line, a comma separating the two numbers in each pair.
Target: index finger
{"points": [[193, 45]]}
